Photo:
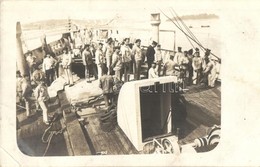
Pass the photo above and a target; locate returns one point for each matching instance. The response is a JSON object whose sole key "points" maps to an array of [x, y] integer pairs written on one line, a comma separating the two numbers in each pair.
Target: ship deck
{"points": [[203, 109]]}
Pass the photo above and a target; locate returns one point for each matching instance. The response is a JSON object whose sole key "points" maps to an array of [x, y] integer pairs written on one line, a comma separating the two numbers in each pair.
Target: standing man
{"points": [[169, 67], [117, 63], [38, 75], [152, 73], [190, 68], [213, 75], [66, 64], [48, 67], [158, 58], [31, 61], [138, 58], [205, 59], [26, 93], [106, 84], [42, 97], [126, 58], [108, 51], [100, 59], [197, 67], [178, 56], [78, 40], [165, 57], [209, 74], [19, 89], [184, 74], [150, 54], [88, 63], [57, 65]]}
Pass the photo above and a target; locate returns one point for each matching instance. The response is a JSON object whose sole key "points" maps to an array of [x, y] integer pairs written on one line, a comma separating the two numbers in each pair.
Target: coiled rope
{"points": [[49, 138]]}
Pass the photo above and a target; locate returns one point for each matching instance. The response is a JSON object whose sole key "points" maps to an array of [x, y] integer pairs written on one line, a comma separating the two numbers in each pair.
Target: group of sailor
{"points": [[120, 60], [192, 68], [32, 88], [125, 59]]}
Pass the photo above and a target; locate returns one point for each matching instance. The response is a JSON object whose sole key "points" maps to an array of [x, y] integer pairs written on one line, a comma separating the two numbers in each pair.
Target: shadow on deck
{"points": [[203, 111]]}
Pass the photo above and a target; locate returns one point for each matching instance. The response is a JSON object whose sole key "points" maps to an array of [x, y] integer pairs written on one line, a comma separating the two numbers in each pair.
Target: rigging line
{"points": [[195, 36], [190, 32], [187, 34], [181, 28], [187, 28]]}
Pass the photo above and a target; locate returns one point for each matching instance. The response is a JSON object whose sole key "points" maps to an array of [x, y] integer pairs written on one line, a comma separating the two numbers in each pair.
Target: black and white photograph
{"points": [[104, 79]]}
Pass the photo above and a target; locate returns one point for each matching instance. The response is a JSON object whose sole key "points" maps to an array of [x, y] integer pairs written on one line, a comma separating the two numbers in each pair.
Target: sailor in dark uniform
{"points": [[150, 55]]}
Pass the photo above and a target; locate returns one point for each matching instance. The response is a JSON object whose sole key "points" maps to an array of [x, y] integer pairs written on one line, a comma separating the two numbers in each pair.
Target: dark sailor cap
{"points": [[154, 43], [138, 40]]}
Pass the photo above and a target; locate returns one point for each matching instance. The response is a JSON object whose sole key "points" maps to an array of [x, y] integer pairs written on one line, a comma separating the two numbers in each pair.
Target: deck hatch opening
{"points": [[155, 107]]}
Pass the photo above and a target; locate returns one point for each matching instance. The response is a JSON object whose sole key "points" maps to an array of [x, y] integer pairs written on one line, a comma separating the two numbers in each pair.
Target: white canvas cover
{"points": [[128, 109]]}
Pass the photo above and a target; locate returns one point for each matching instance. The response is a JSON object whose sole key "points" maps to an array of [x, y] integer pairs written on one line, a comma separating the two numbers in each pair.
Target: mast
{"points": [[21, 62]]}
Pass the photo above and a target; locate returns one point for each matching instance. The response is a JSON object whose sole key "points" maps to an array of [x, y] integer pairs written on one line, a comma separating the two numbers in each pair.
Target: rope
{"points": [[187, 28], [187, 34], [182, 29], [50, 136]]}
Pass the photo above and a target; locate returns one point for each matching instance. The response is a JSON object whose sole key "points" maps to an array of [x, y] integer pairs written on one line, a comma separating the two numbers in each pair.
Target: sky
{"points": [[138, 10]]}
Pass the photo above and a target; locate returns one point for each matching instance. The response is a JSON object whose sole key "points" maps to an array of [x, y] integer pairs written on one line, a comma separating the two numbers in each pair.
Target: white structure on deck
{"points": [[133, 104], [155, 22]]}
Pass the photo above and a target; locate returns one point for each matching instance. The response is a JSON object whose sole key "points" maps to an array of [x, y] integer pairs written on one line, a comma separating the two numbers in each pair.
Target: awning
{"points": [[53, 38], [31, 44], [34, 43]]}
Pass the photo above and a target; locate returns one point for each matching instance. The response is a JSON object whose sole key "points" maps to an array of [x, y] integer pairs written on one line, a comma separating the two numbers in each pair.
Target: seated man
{"points": [[152, 73], [106, 84]]}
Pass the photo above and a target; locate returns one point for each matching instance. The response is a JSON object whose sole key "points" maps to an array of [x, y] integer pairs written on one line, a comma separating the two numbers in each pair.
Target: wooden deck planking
{"points": [[207, 100], [114, 142], [200, 131], [120, 147], [204, 110], [116, 146], [77, 139], [96, 141], [98, 137], [125, 141], [207, 105], [125, 144]]}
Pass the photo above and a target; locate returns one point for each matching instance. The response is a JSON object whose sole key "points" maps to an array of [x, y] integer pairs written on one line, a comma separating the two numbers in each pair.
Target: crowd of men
{"points": [[32, 88], [125, 59], [112, 63]]}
